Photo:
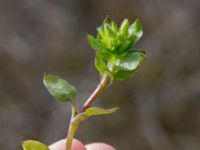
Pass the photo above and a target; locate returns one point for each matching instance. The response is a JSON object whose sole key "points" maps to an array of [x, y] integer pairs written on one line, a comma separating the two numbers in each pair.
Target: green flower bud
{"points": [[113, 45]]}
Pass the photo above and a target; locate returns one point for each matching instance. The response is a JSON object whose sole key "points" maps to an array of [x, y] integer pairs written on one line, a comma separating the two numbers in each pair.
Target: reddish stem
{"points": [[100, 88]]}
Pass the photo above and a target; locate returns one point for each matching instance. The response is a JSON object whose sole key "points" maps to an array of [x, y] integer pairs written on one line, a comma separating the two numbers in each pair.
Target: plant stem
{"points": [[71, 132], [75, 114], [100, 88], [74, 108], [72, 127]]}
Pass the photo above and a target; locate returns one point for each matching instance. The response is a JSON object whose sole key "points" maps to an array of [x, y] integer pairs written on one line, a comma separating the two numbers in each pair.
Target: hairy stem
{"points": [[100, 88]]}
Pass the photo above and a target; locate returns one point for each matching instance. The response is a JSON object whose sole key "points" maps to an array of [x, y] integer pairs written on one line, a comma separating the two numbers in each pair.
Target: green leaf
{"points": [[101, 60], [125, 46], [135, 31], [128, 65], [60, 89], [130, 61], [93, 111], [114, 26], [100, 64], [94, 43], [124, 27], [122, 74], [34, 145]]}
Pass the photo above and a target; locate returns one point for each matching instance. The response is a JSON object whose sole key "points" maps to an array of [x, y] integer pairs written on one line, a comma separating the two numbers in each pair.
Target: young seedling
{"points": [[114, 59]]}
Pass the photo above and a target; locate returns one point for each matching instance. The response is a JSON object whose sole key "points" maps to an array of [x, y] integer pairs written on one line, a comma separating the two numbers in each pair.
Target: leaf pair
{"points": [[62, 91]]}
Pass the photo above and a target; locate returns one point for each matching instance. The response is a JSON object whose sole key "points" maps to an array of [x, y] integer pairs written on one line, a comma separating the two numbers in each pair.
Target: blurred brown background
{"points": [[160, 106]]}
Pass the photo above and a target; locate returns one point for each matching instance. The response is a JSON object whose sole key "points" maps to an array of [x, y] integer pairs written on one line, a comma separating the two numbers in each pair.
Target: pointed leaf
{"points": [[94, 43], [92, 111], [135, 31], [100, 65], [114, 26], [60, 89], [124, 27], [34, 145]]}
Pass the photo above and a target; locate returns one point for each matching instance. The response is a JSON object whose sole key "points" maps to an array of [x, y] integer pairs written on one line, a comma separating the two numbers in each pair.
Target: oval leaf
{"points": [[34, 145], [60, 89], [130, 61], [123, 74], [128, 65]]}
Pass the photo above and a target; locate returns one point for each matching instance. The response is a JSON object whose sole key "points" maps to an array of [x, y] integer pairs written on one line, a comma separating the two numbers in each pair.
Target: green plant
{"points": [[114, 59]]}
